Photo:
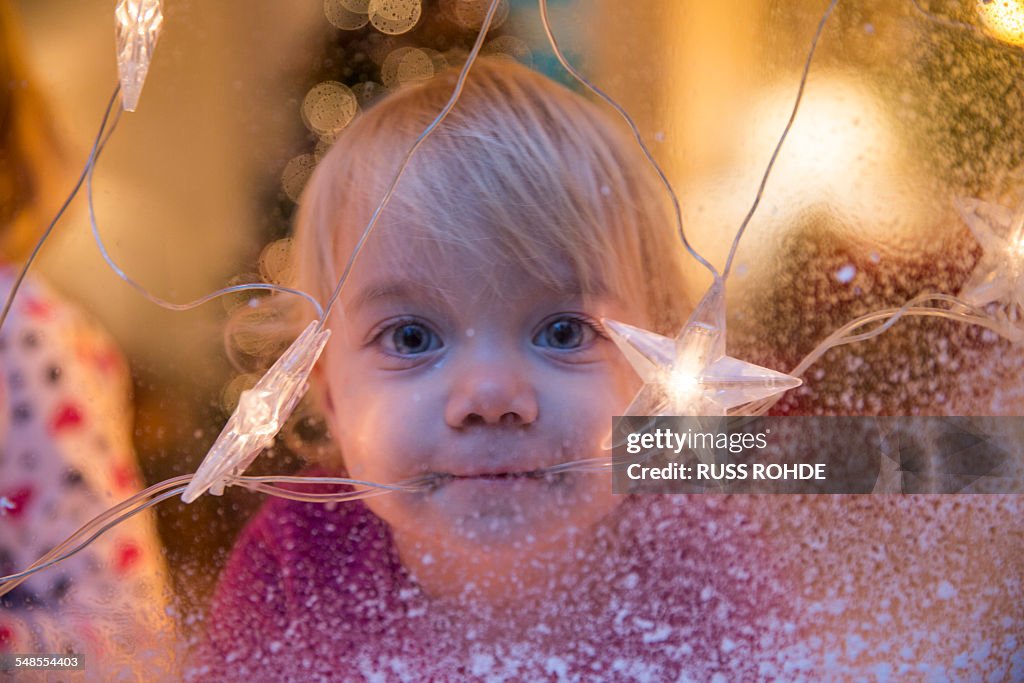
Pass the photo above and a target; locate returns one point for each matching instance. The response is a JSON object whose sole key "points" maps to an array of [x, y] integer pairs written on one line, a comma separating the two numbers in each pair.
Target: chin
{"points": [[515, 514]]}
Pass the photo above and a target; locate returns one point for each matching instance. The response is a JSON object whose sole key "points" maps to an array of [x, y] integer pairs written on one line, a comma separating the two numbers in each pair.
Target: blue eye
{"points": [[411, 338], [566, 334]]}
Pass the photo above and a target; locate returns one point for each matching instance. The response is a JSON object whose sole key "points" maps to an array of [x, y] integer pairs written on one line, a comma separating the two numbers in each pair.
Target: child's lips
{"points": [[535, 474], [500, 460]]}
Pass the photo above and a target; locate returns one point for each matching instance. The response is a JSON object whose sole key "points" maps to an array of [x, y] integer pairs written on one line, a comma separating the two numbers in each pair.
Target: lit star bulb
{"points": [[690, 374], [890, 476], [683, 385], [1004, 19], [999, 274], [138, 25], [1017, 249], [260, 413]]}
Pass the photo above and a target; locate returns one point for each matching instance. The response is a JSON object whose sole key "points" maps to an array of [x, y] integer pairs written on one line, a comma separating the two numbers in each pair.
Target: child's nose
{"points": [[496, 393]]}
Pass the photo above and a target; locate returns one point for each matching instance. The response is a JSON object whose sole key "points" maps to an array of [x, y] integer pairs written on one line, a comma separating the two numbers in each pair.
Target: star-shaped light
{"points": [[691, 375], [260, 413], [5, 505], [999, 275], [890, 474], [138, 25]]}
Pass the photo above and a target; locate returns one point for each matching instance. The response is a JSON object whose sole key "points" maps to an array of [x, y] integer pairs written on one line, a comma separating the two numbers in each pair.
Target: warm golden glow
{"points": [[1004, 19], [683, 386]]}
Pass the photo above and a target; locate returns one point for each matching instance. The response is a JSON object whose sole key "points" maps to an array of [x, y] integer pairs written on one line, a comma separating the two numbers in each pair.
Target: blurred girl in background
{"points": [[66, 450]]}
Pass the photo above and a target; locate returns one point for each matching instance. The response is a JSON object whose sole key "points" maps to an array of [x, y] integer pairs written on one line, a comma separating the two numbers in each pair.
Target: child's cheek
{"points": [[626, 382], [387, 431], [585, 412], [621, 384]]}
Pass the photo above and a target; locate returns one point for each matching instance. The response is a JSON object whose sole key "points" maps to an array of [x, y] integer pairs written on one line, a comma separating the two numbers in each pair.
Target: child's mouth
{"points": [[509, 475]]}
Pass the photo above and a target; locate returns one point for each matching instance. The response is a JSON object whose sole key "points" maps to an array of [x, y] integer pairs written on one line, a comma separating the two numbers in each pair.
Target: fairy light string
{"points": [[263, 410], [583, 80], [170, 488], [925, 305], [691, 373], [60, 213], [782, 139], [375, 217]]}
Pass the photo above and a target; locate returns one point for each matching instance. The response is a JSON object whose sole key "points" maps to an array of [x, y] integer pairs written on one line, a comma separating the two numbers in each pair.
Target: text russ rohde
{"points": [[817, 454]]}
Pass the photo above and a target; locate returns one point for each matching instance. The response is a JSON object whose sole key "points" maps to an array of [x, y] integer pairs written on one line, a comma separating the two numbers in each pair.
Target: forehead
{"points": [[417, 265]]}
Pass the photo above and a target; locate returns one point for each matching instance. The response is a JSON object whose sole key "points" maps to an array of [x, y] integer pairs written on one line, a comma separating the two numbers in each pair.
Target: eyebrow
{"points": [[381, 291], [388, 290], [402, 289]]}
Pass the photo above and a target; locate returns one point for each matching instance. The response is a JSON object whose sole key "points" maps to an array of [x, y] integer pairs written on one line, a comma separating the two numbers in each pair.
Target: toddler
{"points": [[467, 345]]}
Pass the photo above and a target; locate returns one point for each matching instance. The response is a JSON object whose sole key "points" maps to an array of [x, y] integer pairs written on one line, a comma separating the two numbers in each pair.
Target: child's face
{"points": [[431, 371]]}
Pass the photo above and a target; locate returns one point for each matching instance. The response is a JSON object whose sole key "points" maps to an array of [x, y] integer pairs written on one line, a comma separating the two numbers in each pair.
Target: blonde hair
{"points": [[30, 154], [522, 171]]}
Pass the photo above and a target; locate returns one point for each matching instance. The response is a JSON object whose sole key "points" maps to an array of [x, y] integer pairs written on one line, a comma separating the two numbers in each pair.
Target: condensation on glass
{"points": [[899, 184]]}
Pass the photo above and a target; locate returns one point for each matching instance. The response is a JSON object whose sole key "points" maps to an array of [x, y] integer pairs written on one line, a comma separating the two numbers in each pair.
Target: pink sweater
{"points": [[313, 592]]}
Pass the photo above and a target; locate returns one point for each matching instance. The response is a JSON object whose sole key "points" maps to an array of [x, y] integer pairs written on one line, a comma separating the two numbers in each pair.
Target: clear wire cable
{"points": [[456, 93], [99, 143], [847, 334], [959, 311], [60, 212], [782, 139], [163, 303], [545, 21], [884, 320], [169, 488], [95, 528]]}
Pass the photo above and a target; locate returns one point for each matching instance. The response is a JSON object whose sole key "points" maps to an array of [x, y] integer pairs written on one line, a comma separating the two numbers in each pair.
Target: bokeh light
{"points": [[1004, 19], [357, 6], [328, 107], [340, 14], [233, 390], [275, 261], [394, 17], [511, 47], [389, 67], [469, 14], [296, 173], [415, 66], [438, 59]]}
